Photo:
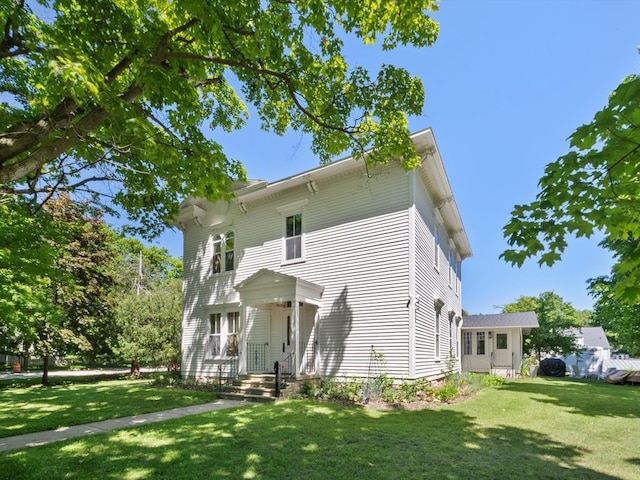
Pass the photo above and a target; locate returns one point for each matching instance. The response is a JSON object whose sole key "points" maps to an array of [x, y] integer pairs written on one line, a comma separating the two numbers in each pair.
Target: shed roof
{"points": [[502, 320]]}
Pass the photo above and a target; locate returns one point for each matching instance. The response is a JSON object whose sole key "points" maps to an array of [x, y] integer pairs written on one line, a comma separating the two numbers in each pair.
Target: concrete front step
{"points": [[246, 398], [253, 388]]}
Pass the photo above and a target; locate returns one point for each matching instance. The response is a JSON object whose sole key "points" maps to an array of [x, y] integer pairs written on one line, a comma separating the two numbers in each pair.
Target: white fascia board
{"points": [[433, 168]]}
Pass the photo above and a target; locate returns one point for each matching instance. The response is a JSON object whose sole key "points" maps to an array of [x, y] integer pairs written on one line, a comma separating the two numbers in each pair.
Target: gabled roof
{"points": [[266, 286], [501, 320], [591, 337]]}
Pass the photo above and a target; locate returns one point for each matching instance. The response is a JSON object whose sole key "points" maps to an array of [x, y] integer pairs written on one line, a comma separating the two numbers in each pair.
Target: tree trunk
{"points": [[135, 367], [45, 370]]}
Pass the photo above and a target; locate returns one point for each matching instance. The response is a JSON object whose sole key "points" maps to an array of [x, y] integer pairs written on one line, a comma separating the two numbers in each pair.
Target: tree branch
{"points": [[21, 137], [285, 78]]}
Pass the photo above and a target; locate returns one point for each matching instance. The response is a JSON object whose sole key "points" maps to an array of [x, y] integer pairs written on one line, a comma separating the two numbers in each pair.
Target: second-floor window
{"points": [[436, 249], [293, 237], [223, 252]]}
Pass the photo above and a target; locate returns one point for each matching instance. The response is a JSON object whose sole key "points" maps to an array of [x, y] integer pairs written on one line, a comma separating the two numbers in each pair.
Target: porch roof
{"points": [[523, 320], [266, 286]]}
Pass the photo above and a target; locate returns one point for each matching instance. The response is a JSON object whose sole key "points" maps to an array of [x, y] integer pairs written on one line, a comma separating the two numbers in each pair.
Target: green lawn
{"points": [[35, 408], [530, 429]]}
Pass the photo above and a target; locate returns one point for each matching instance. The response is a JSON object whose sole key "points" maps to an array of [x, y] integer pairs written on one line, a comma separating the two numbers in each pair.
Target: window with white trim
{"points": [[233, 329], [436, 249], [215, 332], [458, 272], [468, 343], [452, 331], [450, 260], [223, 252], [224, 330], [293, 237], [437, 333], [480, 342]]}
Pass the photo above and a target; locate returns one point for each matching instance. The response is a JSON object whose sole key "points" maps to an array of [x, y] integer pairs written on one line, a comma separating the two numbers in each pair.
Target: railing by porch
{"points": [[284, 370], [227, 372], [257, 357]]}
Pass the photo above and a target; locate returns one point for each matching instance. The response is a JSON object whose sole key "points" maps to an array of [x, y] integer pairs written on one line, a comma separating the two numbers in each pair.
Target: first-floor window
{"points": [[437, 333], [468, 342], [479, 343], [501, 341], [233, 328], [215, 330], [224, 329], [452, 332]]}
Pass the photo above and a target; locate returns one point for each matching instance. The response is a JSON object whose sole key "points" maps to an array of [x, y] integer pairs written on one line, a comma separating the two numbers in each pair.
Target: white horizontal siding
{"points": [[356, 241], [432, 283]]}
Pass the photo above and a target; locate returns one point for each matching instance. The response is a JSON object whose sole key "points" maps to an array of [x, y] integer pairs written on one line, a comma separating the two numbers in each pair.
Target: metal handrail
{"points": [[283, 369]]}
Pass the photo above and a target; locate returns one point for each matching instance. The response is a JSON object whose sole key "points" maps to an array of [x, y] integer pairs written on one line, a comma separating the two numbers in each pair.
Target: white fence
{"points": [[629, 364]]}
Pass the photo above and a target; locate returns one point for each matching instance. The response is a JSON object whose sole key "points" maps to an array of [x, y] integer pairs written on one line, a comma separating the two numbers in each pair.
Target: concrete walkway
{"points": [[64, 433], [77, 373]]}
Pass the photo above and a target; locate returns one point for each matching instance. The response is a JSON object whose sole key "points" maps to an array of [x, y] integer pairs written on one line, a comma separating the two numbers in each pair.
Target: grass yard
{"points": [[34, 408], [529, 429]]}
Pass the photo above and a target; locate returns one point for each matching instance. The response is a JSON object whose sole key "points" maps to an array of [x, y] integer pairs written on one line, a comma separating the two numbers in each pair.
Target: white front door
{"points": [[281, 341], [502, 348]]}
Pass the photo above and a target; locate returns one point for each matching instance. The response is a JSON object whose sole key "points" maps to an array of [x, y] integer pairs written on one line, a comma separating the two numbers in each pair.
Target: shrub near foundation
{"points": [[452, 388]]}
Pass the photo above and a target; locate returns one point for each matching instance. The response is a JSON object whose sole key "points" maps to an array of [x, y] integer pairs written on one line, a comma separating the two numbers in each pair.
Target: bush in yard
{"points": [[447, 391], [345, 390]]}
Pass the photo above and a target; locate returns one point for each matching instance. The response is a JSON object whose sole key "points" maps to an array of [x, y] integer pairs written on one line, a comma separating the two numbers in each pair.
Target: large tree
{"points": [[149, 306], [56, 280], [555, 316], [30, 247], [126, 91], [594, 187], [151, 326], [619, 319]]}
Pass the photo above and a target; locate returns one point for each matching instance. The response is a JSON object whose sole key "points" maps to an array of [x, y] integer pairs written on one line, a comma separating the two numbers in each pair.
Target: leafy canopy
{"points": [[594, 187], [128, 92], [619, 319], [555, 316]]}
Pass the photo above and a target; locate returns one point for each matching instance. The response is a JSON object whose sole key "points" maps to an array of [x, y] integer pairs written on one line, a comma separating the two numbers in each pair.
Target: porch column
{"points": [[242, 341], [296, 335]]}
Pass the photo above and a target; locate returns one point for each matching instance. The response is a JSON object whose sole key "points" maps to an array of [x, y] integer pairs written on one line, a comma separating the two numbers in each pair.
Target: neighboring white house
{"points": [[594, 350], [493, 343], [327, 271]]}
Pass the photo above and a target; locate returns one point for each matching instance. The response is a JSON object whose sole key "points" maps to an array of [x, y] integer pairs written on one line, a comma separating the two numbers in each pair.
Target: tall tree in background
{"points": [[30, 247], [149, 310], [56, 295], [124, 92], [619, 319], [594, 187], [555, 316], [151, 326]]}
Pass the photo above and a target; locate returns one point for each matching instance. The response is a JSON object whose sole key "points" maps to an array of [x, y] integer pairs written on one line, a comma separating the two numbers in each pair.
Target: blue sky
{"points": [[506, 83]]}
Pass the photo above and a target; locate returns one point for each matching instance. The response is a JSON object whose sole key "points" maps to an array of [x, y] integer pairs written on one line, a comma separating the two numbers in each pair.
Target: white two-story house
{"points": [[325, 271]]}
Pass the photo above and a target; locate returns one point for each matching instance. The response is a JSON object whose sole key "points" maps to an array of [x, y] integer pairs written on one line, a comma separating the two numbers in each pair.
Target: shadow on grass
{"points": [[36, 408], [584, 396], [294, 440]]}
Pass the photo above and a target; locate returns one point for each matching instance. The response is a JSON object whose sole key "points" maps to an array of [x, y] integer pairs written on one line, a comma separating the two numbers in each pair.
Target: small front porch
{"points": [[280, 315]]}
